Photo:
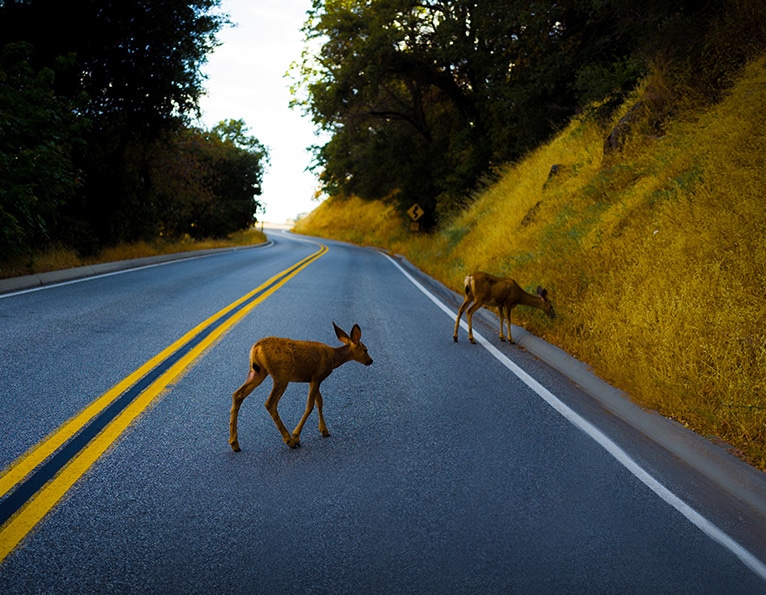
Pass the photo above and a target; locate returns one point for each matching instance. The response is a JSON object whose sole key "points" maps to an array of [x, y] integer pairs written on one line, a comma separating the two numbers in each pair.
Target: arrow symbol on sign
{"points": [[415, 212]]}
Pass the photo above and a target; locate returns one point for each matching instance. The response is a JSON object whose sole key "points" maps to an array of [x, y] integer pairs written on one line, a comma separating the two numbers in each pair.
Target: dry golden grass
{"points": [[58, 259], [655, 258], [352, 220]]}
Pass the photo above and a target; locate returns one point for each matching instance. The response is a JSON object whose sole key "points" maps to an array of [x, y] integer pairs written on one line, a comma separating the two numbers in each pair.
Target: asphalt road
{"points": [[445, 473]]}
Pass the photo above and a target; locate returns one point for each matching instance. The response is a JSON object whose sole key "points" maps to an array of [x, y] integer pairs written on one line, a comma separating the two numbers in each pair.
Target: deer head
{"points": [[358, 351], [547, 307]]}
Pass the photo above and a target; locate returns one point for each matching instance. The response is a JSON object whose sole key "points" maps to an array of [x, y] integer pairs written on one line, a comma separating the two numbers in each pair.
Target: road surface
{"points": [[449, 469]]}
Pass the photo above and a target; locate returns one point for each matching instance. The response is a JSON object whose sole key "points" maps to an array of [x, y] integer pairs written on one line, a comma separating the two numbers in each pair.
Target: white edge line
{"points": [[121, 272], [699, 521]]}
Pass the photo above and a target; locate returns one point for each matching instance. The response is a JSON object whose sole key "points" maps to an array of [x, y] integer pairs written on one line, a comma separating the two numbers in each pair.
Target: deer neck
{"points": [[528, 299], [340, 355]]}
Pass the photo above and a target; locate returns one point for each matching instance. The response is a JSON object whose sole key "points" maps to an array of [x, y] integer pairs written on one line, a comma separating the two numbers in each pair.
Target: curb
{"points": [[730, 474], [12, 284]]}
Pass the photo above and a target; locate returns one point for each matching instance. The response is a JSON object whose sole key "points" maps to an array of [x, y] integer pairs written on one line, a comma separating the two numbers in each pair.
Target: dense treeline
{"points": [[423, 98], [96, 143]]}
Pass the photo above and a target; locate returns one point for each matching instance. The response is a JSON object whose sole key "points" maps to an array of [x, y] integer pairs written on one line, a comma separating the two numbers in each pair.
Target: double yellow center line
{"points": [[32, 485]]}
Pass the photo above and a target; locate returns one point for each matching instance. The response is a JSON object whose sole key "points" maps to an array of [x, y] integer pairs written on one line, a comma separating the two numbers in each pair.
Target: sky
{"points": [[246, 80]]}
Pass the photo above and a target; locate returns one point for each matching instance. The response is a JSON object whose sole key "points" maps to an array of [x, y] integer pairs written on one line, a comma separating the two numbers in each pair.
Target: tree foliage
{"points": [[37, 136], [422, 98], [137, 62], [206, 183], [95, 94]]}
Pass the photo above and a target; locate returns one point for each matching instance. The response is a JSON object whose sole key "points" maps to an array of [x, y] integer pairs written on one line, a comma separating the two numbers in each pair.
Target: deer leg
{"points": [[460, 311], [271, 406], [510, 338], [253, 380], [322, 427], [469, 317], [501, 315], [313, 390]]}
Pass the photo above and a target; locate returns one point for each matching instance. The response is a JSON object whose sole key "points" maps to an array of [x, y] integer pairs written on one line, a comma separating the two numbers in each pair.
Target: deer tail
{"points": [[254, 359]]}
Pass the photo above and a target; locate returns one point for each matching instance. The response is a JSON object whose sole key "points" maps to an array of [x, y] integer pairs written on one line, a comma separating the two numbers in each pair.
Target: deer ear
{"points": [[356, 333], [541, 292], [340, 333]]}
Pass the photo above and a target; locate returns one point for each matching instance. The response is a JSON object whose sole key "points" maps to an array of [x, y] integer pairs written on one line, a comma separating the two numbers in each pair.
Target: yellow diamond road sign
{"points": [[415, 212]]}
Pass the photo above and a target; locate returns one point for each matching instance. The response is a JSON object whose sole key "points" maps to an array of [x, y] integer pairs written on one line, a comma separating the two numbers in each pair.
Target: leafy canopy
{"points": [[96, 145], [424, 98]]}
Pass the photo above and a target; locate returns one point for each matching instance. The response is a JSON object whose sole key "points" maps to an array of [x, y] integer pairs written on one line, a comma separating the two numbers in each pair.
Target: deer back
{"points": [[495, 291], [289, 360]]}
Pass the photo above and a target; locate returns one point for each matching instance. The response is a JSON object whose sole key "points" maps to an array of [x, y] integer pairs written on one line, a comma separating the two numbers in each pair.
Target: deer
{"points": [[289, 360], [487, 290]]}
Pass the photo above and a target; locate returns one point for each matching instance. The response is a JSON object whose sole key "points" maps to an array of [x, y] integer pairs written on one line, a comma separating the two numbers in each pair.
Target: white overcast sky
{"points": [[246, 80]]}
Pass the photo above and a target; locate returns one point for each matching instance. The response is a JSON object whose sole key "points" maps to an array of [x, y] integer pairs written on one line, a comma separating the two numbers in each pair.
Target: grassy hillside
{"points": [[655, 256]]}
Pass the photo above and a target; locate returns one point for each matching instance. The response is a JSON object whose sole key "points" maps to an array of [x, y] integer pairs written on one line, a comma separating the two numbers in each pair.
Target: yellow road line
{"points": [[25, 464], [46, 498]]}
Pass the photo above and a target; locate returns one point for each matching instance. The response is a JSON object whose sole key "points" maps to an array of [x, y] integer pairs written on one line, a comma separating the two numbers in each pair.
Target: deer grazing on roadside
{"points": [[487, 290], [286, 361]]}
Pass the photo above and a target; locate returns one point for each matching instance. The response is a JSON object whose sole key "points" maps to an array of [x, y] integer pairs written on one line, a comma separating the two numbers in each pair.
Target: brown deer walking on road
{"points": [[487, 290], [286, 361]]}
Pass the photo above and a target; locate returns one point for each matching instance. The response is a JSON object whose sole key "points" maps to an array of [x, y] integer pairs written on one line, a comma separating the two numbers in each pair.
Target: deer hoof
{"points": [[454, 338], [293, 442], [325, 433], [502, 339], [471, 339], [235, 446]]}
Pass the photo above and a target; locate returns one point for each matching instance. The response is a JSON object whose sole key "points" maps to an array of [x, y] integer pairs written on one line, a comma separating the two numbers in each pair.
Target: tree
{"points": [[422, 98], [206, 184], [138, 62], [134, 76], [409, 90], [237, 163], [398, 118], [37, 135]]}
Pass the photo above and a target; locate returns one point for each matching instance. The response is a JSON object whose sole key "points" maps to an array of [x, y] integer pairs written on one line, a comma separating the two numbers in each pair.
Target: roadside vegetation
{"points": [[654, 255], [56, 259]]}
